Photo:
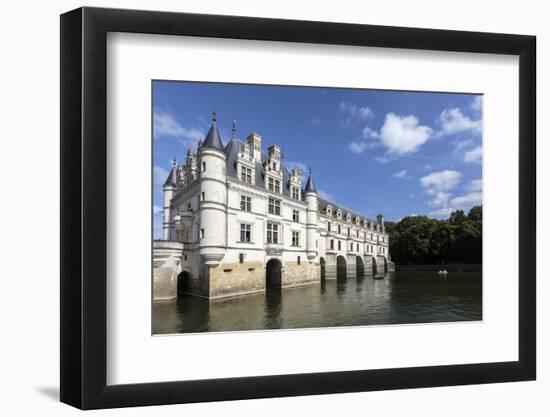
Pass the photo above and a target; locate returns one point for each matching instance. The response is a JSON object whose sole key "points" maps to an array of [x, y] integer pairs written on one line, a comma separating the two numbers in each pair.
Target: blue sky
{"points": [[392, 152]]}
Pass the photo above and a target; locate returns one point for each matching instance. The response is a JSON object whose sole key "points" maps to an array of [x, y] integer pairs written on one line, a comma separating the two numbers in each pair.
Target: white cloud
{"points": [[468, 200], [477, 103], [159, 175], [440, 199], [403, 135], [360, 146], [368, 133], [441, 180], [325, 195], [442, 212], [401, 174], [298, 165], [351, 112], [382, 159], [474, 155], [475, 185], [453, 121], [164, 124], [463, 144], [437, 185]]}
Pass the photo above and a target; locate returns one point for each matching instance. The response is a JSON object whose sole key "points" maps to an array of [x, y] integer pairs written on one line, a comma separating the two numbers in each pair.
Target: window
{"points": [[272, 233], [274, 206], [295, 193], [295, 238], [245, 203], [241, 258], [246, 175], [329, 226], [351, 247], [339, 229], [274, 185], [203, 166], [332, 243], [349, 231], [357, 232], [358, 247], [295, 216], [298, 260], [202, 234], [202, 196], [339, 245], [245, 232]]}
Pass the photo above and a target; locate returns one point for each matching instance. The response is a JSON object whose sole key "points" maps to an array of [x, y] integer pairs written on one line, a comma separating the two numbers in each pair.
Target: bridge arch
{"points": [[360, 267], [183, 283], [341, 267], [273, 273]]}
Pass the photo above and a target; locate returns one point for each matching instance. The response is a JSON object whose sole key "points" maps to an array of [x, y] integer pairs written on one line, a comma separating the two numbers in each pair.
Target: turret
{"points": [[310, 194], [169, 188], [213, 197]]}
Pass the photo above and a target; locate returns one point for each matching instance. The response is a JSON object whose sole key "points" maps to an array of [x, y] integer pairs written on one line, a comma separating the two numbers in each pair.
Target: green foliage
{"points": [[421, 240]]}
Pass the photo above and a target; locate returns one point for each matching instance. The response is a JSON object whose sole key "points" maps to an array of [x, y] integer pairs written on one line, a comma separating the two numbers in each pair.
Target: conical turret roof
{"points": [[213, 138], [310, 186], [172, 178]]}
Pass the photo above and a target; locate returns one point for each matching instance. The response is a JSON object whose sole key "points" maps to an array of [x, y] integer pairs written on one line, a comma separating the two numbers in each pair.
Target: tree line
{"points": [[419, 240]]}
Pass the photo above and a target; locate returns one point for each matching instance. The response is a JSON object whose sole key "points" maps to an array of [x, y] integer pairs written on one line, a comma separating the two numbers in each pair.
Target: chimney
{"points": [[255, 143]]}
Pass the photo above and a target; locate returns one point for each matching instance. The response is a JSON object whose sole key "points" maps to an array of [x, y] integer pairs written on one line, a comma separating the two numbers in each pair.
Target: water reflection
{"points": [[395, 298]]}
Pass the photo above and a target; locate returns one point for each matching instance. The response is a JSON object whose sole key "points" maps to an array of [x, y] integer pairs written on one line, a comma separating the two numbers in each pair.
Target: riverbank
{"points": [[447, 267]]}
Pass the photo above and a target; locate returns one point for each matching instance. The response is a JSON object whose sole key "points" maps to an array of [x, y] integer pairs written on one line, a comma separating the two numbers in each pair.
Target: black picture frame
{"points": [[84, 207]]}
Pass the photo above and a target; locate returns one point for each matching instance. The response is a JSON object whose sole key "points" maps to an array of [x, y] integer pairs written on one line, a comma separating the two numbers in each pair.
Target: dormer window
{"points": [[339, 214], [348, 217], [295, 193], [273, 185], [329, 210], [246, 175]]}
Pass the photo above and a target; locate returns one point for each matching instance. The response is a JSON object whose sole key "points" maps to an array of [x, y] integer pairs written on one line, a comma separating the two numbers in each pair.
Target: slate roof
{"points": [[231, 152], [310, 186], [172, 177], [213, 138], [323, 203]]}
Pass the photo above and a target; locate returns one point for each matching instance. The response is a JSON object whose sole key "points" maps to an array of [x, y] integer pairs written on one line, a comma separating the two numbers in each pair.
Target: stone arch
{"points": [[341, 267], [360, 267], [183, 283], [273, 273], [381, 264], [323, 268], [374, 266]]}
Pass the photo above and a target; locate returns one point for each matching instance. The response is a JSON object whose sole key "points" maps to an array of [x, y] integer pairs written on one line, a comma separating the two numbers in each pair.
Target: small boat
{"points": [[378, 277]]}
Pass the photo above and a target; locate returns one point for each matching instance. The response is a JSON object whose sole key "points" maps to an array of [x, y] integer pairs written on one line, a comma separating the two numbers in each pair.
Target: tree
{"points": [[421, 240]]}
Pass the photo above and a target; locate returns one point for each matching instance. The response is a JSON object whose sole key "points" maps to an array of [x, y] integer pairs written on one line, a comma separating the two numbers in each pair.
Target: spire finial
{"points": [[214, 116], [310, 170], [174, 163], [234, 129]]}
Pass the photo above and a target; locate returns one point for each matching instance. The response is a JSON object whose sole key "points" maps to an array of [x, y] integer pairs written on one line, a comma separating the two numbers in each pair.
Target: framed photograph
{"points": [[259, 208]]}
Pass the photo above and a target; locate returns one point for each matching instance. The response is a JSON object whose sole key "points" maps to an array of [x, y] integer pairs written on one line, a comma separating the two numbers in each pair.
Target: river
{"points": [[397, 298]]}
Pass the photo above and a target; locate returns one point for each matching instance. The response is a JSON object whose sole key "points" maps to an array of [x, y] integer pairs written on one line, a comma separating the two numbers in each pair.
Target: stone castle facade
{"points": [[237, 221]]}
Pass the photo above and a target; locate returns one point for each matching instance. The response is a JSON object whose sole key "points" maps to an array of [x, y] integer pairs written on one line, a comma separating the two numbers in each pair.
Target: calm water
{"points": [[401, 297]]}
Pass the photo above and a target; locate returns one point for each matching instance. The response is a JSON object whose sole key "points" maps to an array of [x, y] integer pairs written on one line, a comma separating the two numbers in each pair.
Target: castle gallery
{"points": [[237, 221]]}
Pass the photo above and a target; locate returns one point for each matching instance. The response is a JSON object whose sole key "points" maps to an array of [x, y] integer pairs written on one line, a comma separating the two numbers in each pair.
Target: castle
{"points": [[237, 221]]}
